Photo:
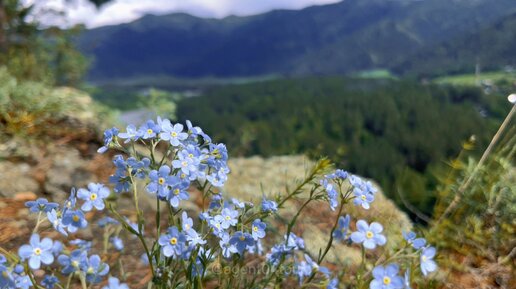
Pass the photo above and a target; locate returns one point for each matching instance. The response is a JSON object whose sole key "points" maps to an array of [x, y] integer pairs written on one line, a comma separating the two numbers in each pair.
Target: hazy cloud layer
{"points": [[118, 11]]}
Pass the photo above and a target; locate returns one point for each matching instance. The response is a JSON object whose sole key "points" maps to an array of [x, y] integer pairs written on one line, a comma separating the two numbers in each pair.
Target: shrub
{"points": [[29, 108]]}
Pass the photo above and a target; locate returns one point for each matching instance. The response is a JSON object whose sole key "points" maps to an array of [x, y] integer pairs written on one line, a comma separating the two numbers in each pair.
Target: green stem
{"points": [[83, 281], [31, 276], [158, 217], [137, 234], [69, 281], [165, 155], [121, 267], [330, 242], [321, 165], [9, 255], [153, 147], [294, 220], [38, 222]]}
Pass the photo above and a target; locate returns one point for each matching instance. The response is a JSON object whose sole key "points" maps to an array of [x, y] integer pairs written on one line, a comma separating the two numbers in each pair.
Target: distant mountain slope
{"points": [[338, 38], [492, 48]]}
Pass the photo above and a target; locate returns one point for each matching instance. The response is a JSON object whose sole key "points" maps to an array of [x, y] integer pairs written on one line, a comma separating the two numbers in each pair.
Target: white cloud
{"points": [[119, 11]]}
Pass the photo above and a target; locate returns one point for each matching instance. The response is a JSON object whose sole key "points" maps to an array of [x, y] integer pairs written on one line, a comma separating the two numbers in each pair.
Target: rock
{"points": [[15, 177], [52, 171], [249, 176], [25, 196], [67, 169], [14, 222], [252, 177]]}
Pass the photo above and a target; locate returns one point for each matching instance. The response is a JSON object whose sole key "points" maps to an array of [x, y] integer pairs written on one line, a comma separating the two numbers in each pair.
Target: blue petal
{"points": [[358, 237], [34, 262], [369, 244], [99, 204], [168, 251], [34, 240], [376, 227], [379, 272], [95, 261], [104, 192], [164, 171], [375, 284], [152, 187], [362, 226], [25, 251], [153, 175], [174, 202], [87, 206], [47, 258], [163, 240], [429, 252], [105, 269], [46, 244], [83, 194], [391, 270], [397, 282], [380, 240]]}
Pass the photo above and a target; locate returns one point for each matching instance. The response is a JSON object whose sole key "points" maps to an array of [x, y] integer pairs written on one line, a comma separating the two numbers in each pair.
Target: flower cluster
{"points": [[170, 161], [388, 277], [48, 254]]}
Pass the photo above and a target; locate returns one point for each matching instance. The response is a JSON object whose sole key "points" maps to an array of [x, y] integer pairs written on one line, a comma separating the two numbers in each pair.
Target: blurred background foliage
{"points": [[477, 233], [38, 111], [31, 53]]}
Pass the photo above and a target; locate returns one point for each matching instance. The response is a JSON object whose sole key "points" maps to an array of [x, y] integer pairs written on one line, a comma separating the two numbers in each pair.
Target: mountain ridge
{"points": [[339, 38], [491, 48]]}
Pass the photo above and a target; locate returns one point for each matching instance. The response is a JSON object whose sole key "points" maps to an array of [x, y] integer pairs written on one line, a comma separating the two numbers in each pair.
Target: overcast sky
{"points": [[119, 11]]}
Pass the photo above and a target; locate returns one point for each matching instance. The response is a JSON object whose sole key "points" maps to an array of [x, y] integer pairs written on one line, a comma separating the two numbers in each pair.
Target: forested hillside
{"points": [[386, 130], [345, 37]]}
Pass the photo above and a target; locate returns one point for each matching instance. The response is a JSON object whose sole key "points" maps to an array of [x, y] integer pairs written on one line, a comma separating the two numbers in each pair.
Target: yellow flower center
{"points": [[90, 270], [173, 241], [369, 234], [187, 226], [161, 181], [228, 218], [183, 175], [255, 229], [423, 258], [75, 264], [242, 238], [173, 134], [184, 163], [75, 218], [93, 197], [37, 251], [176, 192], [190, 155], [5, 274], [363, 197], [217, 226], [149, 131], [386, 280]]}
